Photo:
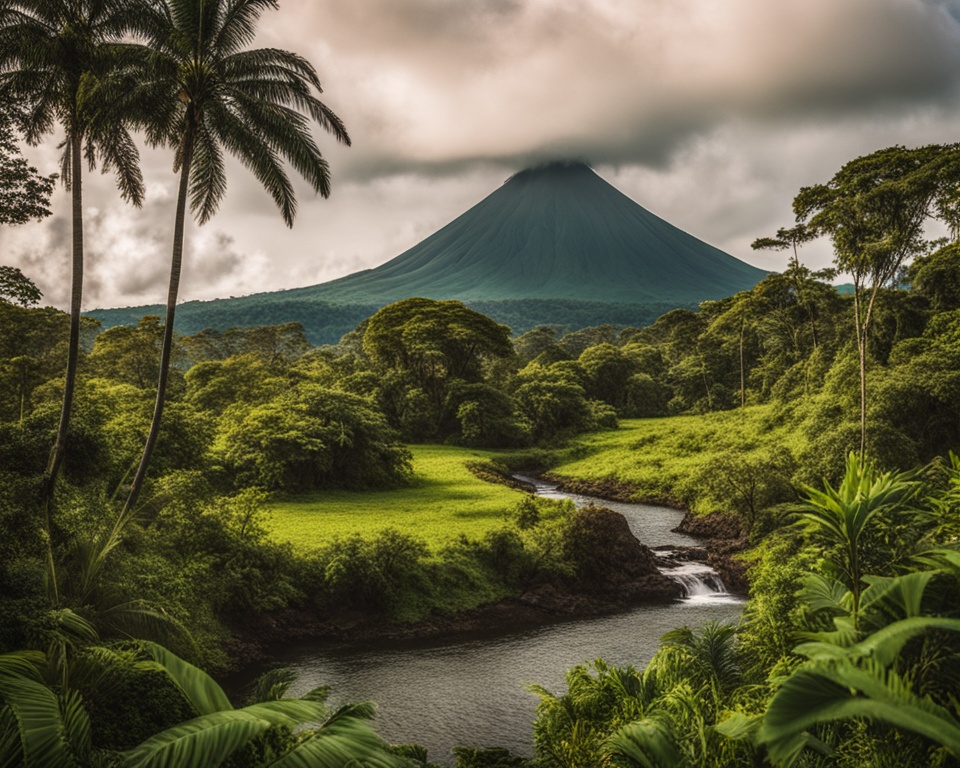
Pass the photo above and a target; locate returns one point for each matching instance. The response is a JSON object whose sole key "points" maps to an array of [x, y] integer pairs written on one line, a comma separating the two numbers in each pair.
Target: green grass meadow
{"points": [[662, 458], [444, 501]]}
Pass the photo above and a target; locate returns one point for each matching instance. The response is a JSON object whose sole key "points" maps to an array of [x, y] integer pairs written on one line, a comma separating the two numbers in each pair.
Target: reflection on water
{"points": [[471, 692]]}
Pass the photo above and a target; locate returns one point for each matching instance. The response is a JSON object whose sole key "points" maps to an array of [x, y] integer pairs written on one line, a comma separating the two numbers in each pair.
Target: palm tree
{"points": [[61, 58], [841, 517], [872, 680], [45, 723], [205, 94]]}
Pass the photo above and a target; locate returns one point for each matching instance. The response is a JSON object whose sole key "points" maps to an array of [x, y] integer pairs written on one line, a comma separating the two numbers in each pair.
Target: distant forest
{"points": [[326, 322]]}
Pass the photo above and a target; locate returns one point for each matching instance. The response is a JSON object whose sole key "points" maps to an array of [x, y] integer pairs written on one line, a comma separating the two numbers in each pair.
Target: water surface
{"points": [[471, 691]]}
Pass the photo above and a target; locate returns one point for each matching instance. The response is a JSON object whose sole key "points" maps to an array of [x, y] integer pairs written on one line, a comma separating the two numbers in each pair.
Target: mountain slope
{"points": [[549, 233], [554, 232]]}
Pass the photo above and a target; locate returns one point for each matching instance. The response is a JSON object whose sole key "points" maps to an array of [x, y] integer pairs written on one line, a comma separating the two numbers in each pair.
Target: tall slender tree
{"points": [[874, 210], [793, 238], [60, 59], [206, 93]]}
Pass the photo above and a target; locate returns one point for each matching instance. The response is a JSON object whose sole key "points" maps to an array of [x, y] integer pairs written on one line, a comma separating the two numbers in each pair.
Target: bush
{"points": [[748, 483], [309, 438]]}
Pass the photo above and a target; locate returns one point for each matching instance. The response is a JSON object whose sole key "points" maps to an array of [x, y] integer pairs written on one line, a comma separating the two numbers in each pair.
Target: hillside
{"points": [[556, 233]]}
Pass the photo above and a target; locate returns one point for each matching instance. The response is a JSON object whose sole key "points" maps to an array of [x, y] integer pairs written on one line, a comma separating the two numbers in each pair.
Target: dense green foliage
{"points": [[45, 718], [848, 651], [24, 193], [326, 321], [864, 577], [267, 455]]}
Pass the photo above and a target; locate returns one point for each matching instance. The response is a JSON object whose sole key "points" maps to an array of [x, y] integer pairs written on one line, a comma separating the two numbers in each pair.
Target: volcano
{"points": [[557, 231], [554, 244]]}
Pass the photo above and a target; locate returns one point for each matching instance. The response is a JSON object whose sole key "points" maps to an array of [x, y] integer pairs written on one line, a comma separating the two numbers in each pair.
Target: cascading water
{"points": [[700, 582]]}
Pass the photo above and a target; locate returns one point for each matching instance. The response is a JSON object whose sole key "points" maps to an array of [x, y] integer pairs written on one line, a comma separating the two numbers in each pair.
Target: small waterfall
{"points": [[701, 584], [699, 581]]}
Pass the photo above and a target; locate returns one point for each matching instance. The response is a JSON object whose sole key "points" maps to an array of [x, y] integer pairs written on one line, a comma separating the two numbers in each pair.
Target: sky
{"points": [[710, 113]]}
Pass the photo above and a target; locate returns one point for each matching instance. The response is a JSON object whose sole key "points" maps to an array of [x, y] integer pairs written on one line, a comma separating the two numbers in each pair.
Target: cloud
{"points": [[712, 114], [435, 87]]}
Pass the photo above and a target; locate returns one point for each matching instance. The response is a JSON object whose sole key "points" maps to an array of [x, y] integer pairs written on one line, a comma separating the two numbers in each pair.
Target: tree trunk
{"points": [[867, 317], [743, 382], [706, 385], [73, 354], [23, 388], [167, 344], [76, 298], [862, 353]]}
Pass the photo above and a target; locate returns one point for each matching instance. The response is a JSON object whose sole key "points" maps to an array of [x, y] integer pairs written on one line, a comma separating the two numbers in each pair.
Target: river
{"points": [[471, 691]]}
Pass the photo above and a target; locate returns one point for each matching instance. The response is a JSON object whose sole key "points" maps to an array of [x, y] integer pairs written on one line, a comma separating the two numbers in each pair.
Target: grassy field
{"points": [[446, 500], [664, 457]]}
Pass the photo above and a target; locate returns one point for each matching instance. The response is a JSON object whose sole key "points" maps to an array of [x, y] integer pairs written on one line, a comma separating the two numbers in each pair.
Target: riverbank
{"points": [[722, 536], [607, 571], [464, 679], [611, 572]]}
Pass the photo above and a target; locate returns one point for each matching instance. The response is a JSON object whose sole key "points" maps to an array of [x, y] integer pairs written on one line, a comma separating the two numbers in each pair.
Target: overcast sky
{"points": [[710, 113]]}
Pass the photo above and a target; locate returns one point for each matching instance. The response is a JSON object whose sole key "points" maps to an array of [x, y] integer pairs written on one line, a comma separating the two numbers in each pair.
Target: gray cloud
{"points": [[436, 87], [711, 114]]}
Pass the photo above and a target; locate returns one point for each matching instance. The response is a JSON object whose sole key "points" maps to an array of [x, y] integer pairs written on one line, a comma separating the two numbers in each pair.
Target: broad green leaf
{"points": [[739, 725], [900, 596], [205, 741], [346, 739], [37, 712], [820, 693], [885, 644], [200, 689]]}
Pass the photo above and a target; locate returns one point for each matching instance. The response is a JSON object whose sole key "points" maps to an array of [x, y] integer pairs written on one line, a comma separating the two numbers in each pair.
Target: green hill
{"points": [[555, 244]]}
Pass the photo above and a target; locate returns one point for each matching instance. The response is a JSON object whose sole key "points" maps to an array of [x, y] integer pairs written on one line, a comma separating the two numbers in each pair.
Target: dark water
{"points": [[471, 692]]}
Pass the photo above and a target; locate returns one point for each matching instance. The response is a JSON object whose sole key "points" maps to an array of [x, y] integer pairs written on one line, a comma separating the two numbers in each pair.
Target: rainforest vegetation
{"points": [[146, 477]]}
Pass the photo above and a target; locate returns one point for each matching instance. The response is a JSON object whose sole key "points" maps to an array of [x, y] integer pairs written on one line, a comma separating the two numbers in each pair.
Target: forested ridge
{"points": [[138, 465]]}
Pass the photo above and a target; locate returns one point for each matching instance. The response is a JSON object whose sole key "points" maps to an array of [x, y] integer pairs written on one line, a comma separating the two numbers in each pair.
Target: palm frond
{"points": [[285, 78], [210, 739], [286, 132], [201, 690], [346, 738], [238, 23], [39, 719], [825, 692], [239, 139], [271, 685], [207, 740], [649, 743], [208, 178]]}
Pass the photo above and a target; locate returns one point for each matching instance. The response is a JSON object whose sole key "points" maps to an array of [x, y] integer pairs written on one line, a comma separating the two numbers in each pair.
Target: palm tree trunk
{"points": [[73, 355], [76, 298], [167, 345]]}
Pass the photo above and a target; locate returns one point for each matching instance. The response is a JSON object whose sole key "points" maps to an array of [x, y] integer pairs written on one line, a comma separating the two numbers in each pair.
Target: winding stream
{"points": [[471, 691]]}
